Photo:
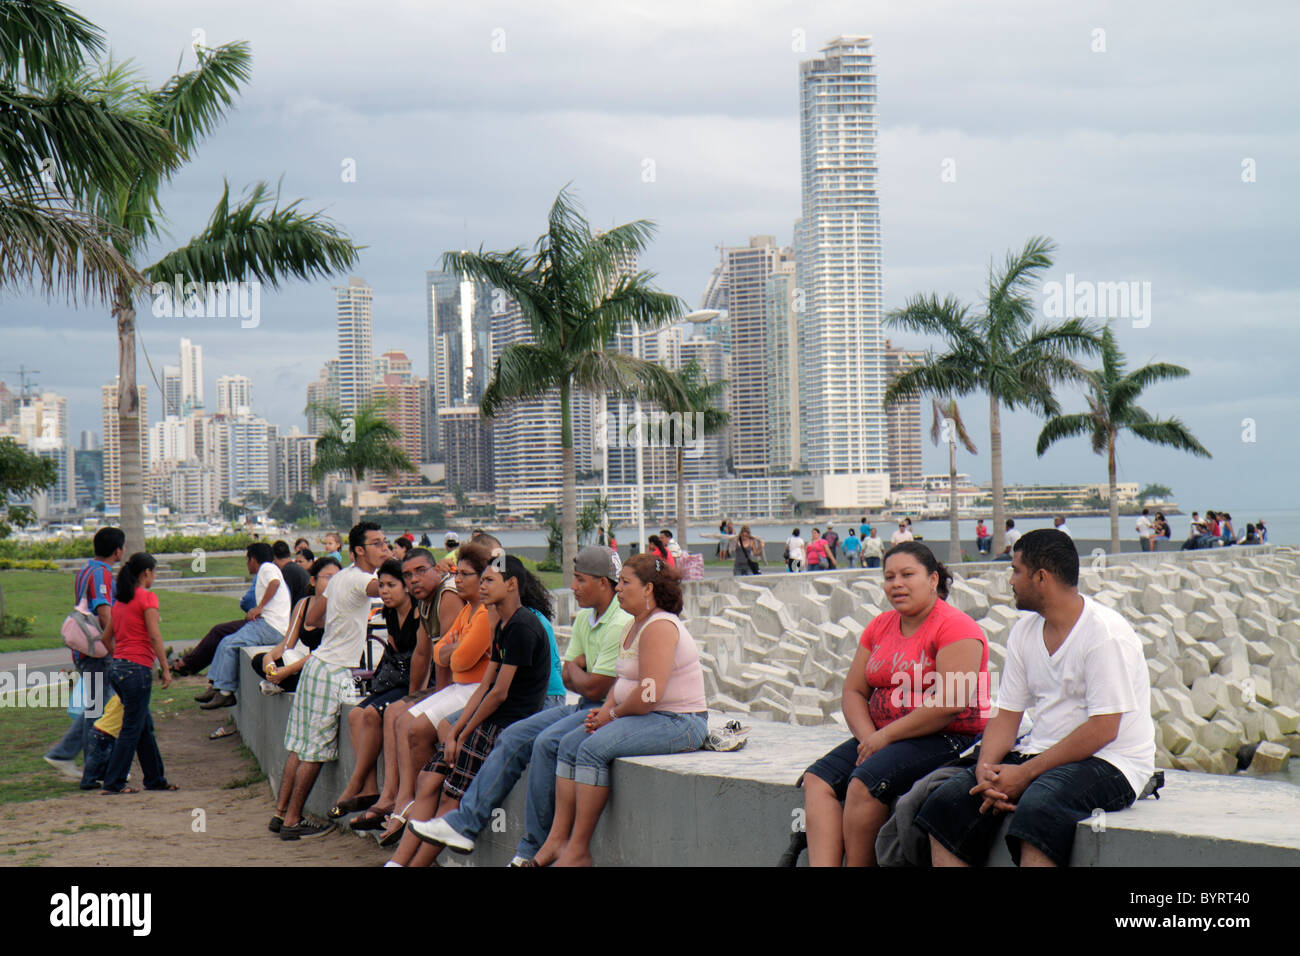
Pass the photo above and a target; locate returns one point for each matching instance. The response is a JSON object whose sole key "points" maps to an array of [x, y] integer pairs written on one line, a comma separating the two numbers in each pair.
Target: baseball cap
{"points": [[598, 562]]}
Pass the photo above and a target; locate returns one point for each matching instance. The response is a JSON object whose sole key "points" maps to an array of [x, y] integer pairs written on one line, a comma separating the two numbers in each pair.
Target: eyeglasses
{"points": [[376, 544]]}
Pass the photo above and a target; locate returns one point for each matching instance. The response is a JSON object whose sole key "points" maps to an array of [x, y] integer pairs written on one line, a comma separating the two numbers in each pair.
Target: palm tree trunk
{"points": [[1114, 497], [954, 529], [130, 485], [356, 495], [995, 465], [569, 515], [681, 498]]}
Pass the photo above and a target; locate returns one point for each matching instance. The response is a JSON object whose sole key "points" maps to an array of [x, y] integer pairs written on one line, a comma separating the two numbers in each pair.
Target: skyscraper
{"points": [[781, 372], [233, 393], [112, 444], [903, 424], [172, 386], [747, 270], [459, 327], [356, 368], [322, 392], [191, 370], [841, 366], [408, 410]]}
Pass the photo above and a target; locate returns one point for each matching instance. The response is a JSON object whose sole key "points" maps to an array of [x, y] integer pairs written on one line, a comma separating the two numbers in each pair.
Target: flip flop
{"points": [[368, 821], [352, 804], [392, 839], [223, 731], [170, 786], [114, 793]]}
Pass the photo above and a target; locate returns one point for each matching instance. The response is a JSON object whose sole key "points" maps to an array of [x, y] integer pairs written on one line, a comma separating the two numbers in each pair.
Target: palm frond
{"points": [[58, 250], [1171, 433], [44, 37], [522, 372], [1061, 427], [190, 105]]}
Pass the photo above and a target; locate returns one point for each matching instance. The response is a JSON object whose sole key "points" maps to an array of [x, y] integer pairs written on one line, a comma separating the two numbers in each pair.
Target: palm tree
{"points": [[701, 416], [575, 293], [60, 136], [357, 442], [996, 351], [949, 415], [1113, 408], [259, 238]]}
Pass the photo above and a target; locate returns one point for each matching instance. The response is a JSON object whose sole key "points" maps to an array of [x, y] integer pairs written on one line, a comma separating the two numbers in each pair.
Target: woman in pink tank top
{"points": [[656, 706]]}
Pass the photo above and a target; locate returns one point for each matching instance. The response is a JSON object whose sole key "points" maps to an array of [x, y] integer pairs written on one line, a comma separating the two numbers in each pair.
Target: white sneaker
{"points": [[440, 831], [270, 689], [65, 767]]}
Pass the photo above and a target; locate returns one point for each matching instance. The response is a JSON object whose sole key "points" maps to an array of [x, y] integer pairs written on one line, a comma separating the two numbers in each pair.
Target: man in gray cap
{"points": [[589, 672]]}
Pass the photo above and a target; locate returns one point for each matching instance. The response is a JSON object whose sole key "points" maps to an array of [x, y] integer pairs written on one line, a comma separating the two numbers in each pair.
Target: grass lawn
{"points": [[231, 566], [47, 596], [28, 732]]}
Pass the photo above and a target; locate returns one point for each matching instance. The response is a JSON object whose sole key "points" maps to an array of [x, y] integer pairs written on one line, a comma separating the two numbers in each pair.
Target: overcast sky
{"points": [[1123, 131]]}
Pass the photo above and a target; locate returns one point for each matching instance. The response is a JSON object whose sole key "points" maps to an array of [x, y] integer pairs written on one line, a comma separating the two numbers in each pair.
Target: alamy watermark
{"points": [[208, 300], [39, 689], [1085, 299], [650, 429]]}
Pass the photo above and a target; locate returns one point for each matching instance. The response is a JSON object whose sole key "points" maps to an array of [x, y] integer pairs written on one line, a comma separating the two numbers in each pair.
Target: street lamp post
{"points": [[695, 318]]}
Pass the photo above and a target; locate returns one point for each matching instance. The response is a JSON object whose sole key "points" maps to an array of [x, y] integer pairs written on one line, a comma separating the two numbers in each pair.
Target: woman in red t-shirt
{"points": [[139, 644], [915, 697]]}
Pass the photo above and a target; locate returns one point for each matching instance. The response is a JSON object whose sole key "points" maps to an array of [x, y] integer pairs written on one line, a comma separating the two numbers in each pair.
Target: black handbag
{"points": [[394, 671]]}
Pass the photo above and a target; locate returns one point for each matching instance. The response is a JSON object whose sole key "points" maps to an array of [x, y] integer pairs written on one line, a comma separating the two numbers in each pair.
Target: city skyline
{"points": [[1123, 179]]}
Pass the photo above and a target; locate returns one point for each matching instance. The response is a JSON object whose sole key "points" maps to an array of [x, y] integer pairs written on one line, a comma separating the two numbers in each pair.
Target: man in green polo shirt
{"points": [[589, 672]]}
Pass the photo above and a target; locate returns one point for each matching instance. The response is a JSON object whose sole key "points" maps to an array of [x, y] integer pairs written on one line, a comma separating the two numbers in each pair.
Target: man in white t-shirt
{"points": [[1059, 524], [267, 622], [311, 735], [1146, 530], [1079, 667], [794, 552]]}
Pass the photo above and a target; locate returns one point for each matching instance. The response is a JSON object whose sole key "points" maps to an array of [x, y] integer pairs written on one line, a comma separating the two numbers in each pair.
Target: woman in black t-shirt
{"points": [[392, 682]]}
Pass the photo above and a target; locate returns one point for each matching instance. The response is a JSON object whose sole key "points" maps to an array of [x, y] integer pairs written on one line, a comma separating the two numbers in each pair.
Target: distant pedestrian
{"points": [[1146, 530], [1261, 531], [983, 539], [873, 549], [749, 553], [852, 547], [832, 539], [1059, 523], [902, 534], [795, 555]]}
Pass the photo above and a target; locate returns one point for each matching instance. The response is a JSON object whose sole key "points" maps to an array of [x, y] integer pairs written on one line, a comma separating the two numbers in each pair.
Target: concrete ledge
{"points": [[739, 809]]}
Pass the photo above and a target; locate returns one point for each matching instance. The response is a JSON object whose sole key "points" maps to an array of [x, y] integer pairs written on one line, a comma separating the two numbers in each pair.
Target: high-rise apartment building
{"points": [[356, 368], [234, 395], [112, 443], [459, 331], [781, 368], [468, 448], [903, 422], [324, 392], [408, 410], [841, 367], [290, 461], [191, 369], [172, 388]]}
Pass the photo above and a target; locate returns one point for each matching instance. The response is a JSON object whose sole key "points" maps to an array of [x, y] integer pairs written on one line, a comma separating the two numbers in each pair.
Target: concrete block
{"points": [[769, 616], [1180, 702], [968, 600], [1198, 624], [1292, 743], [1213, 653], [1260, 686], [1209, 695], [1192, 664], [1221, 762], [1154, 595], [1270, 758], [1258, 652], [1004, 613], [1288, 719], [1159, 705], [1176, 735], [1223, 733]]}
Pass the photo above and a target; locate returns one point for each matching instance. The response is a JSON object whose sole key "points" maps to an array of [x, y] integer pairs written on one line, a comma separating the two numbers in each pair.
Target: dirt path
{"points": [[205, 823]]}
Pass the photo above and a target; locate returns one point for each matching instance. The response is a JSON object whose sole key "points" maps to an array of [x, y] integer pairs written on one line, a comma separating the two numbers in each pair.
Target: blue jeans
{"points": [[224, 672], [586, 758], [534, 738], [98, 691], [134, 684]]}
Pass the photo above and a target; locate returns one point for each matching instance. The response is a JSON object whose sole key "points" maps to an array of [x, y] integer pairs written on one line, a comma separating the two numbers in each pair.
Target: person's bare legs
{"points": [[940, 855], [863, 817], [589, 803], [824, 822], [429, 787], [286, 784], [392, 772], [366, 728], [428, 852], [417, 738], [1032, 856], [304, 779], [561, 825]]}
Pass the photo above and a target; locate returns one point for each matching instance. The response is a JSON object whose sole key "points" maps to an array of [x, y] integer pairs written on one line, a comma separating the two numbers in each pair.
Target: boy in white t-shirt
{"points": [[266, 623], [1079, 667]]}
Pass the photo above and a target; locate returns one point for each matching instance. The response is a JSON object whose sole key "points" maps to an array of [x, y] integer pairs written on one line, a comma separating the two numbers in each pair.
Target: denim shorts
{"points": [[1047, 814], [887, 773]]}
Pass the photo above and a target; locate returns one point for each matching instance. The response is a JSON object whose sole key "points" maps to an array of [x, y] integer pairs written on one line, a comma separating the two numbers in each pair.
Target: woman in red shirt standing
{"points": [[139, 644], [915, 697]]}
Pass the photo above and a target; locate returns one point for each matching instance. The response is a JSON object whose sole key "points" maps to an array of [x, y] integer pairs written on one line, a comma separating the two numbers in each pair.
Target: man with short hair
{"points": [[1080, 666], [1059, 523], [94, 583], [589, 672], [267, 622], [1146, 531], [904, 533], [296, 578], [673, 547], [832, 539], [311, 735]]}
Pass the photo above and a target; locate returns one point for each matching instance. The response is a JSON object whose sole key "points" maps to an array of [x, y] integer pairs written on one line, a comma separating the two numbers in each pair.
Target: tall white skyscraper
{"points": [[233, 393], [356, 366], [459, 332], [191, 370], [172, 385], [841, 366]]}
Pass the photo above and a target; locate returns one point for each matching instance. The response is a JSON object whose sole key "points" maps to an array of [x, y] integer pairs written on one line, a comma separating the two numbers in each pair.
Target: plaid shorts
{"points": [[468, 760], [313, 728]]}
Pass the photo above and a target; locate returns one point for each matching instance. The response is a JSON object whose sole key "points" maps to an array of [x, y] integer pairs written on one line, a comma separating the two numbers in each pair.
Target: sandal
{"points": [[394, 837], [352, 804], [170, 786], [370, 820], [223, 731], [123, 790]]}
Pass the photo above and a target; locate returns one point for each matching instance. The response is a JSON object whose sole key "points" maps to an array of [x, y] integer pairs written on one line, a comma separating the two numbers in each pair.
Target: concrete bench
{"points": [[739, 808]]}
